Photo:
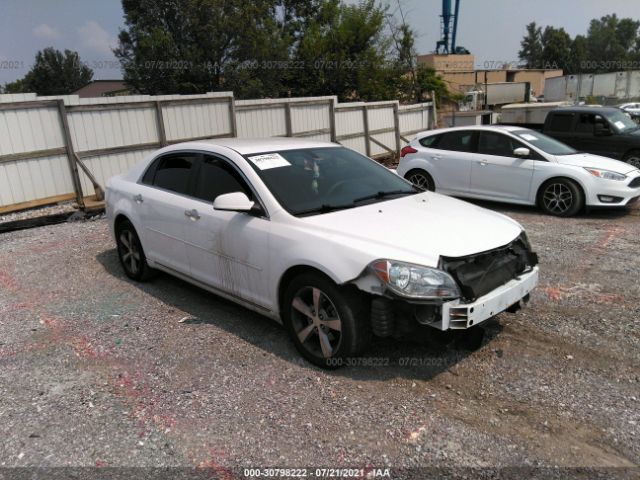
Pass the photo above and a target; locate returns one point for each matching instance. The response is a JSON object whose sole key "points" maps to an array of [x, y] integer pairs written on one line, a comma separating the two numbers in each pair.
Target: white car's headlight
{"points": [[606, 174], [415, 281]]}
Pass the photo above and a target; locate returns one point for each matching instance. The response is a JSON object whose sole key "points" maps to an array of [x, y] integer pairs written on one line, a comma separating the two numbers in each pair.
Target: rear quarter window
{"points": [[431, 141]]}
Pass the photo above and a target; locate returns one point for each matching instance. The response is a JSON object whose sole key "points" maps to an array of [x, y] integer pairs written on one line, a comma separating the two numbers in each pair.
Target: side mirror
{"points": [[602, 130], [522, 152], [233, 202]]}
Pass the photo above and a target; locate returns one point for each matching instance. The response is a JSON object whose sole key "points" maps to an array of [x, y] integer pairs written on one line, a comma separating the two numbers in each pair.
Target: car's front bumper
{"points": [[459, 316], [609, 193]]}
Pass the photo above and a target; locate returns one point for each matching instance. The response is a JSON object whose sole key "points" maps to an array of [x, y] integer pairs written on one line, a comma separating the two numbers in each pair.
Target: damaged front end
{"points": [[461, 293]]}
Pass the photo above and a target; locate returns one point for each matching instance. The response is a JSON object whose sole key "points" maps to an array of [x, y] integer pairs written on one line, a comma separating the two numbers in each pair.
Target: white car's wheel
{"points": [[327, 324], [130, 252], [421, 179], [561, 197]]}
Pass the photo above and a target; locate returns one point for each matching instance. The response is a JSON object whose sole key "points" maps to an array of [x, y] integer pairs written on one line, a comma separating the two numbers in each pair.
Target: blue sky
{"points": [[491, 29]]}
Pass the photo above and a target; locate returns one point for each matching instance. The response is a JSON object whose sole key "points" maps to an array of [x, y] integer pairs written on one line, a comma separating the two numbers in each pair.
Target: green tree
{"points": [[611, 42], [531, 46], [343, 52], [53, 73], [191, 46], [556, 48]]}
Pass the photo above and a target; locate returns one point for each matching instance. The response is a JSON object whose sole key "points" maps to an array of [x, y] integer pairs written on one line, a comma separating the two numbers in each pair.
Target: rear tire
{"points": [[131, 254], [421, 179], [328, 324], [633, 158], [561, 197]]}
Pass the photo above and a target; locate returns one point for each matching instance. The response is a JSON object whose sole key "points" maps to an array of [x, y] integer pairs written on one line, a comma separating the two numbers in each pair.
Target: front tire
{"points": [[633, 158], [327, 324], [421, 179], [561, 197], [131, 254]]}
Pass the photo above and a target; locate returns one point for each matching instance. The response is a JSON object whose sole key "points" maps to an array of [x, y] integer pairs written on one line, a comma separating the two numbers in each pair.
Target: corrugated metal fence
{"points": [[62, 148]]}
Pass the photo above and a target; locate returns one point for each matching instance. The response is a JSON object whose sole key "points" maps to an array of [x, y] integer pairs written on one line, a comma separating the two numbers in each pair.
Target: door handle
{"points": [[192, 214], [483, 163], [138, 198]]}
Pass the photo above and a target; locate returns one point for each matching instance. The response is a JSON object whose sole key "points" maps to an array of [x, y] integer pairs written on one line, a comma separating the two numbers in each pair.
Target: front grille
{"points": [[481, 273], [635, 182]]}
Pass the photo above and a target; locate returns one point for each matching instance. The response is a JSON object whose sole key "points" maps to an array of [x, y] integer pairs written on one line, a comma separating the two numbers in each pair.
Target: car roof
{"points": [[490, 128], [586, 108], [246, 146]]}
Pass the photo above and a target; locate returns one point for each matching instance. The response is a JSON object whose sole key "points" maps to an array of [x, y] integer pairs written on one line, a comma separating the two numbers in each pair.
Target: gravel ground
{"points": [[64, 207], [96, 370]]}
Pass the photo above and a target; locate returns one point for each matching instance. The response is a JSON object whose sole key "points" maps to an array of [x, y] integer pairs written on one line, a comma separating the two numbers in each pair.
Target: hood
{"points": [[595, 161], [418, 228]]}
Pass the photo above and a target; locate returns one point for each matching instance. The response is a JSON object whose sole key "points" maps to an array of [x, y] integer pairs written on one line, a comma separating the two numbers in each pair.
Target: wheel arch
{"points": [[544, 182], [293, 272], [119, 220]]}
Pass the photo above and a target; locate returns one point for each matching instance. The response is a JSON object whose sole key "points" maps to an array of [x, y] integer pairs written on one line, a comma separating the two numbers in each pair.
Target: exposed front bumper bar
{"points": [[459, 316]]}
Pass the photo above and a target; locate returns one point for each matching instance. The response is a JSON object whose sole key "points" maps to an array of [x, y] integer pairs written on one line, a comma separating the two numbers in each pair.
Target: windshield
{"points": [[621, 121], [319, 180], [543, 142]]}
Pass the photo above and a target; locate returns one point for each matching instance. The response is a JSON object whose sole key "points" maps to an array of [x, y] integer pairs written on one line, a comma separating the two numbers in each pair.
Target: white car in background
{"points": [[317, 236], [517, 165]]}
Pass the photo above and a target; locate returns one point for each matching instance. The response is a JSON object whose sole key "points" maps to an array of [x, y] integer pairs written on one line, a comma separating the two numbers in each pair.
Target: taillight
{"points": [[406, 150]]}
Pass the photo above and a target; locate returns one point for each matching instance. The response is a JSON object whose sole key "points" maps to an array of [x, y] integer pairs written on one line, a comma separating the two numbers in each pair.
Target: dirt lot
{"points": [[98, 371]]}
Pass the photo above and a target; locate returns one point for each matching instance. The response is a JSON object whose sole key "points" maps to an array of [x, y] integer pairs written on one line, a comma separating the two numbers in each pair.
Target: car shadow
{"points": [[421, 357]]}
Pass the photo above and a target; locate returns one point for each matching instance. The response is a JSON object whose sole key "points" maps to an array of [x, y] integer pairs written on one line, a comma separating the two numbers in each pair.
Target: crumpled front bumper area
{"points": [[458, 316], [479, 274]]}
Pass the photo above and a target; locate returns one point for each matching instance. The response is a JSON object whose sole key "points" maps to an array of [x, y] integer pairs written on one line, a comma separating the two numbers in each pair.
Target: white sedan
{"points": [[319, 237], [517, 165]]}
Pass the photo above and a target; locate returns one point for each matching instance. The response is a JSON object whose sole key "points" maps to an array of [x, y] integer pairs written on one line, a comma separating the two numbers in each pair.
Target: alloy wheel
{"points": [[557, 198], [420, 180], [316, 322], [129, 251]]}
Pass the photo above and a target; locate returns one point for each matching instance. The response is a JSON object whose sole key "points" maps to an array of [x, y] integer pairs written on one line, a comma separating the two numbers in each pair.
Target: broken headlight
{"points": [[415, 281]]}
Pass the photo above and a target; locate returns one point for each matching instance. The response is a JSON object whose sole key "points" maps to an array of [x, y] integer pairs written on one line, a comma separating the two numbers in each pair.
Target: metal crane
{"points": [[449, 29]]}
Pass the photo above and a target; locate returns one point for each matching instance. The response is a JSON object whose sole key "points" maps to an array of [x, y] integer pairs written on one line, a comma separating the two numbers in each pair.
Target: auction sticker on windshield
{"points": [[620, 125], [529, 137], [269, 160]]}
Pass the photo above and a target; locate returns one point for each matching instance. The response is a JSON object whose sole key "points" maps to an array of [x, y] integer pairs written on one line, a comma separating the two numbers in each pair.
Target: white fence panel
{"points": [[98, 129], [33, 179], [195, 120], [110, 135], [264, 120], [103, 167], [29, 130]]}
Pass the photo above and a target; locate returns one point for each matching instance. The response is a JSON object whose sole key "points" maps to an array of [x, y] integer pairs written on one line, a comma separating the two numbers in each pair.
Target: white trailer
{"points": [[496, 94], [528, 114]]}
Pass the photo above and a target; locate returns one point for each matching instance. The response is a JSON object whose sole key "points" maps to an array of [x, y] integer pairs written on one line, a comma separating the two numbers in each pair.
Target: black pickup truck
{"points": [[598, 130]]}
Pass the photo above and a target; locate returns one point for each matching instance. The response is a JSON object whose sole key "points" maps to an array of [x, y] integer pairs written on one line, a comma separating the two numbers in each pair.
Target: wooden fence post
{"points": [[396, 126], [71, 154], [287, 119], [332, 119], [367, 140], [162, 134], [232, 115]]}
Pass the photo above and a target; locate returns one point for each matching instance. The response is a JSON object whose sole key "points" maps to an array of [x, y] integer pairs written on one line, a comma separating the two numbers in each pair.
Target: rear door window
{"points": [[172, 172], [561, 122], [498, 144]]}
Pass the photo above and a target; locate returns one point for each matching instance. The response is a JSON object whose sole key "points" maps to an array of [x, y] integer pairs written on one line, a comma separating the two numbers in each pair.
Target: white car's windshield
{"points": [[545, 143], [319, 180]]}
